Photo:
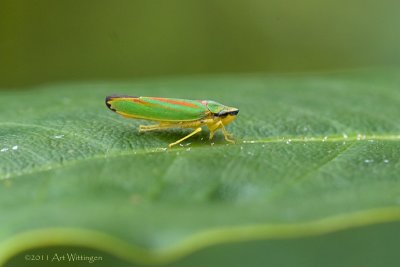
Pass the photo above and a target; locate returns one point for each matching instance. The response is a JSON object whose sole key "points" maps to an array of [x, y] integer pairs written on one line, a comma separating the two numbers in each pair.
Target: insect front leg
{"points": [[214, 127], [228, 136]]}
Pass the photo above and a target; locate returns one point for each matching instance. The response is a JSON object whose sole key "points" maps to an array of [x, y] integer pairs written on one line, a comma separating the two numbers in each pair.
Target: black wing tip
{"points": [[109, 98], [112, 97]]}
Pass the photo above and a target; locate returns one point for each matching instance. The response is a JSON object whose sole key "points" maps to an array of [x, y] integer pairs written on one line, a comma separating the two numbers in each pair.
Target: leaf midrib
{"points": [[287, 140]]}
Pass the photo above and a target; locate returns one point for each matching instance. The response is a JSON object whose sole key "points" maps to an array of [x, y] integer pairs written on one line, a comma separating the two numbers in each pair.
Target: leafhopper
{"points": [[175, 113]]}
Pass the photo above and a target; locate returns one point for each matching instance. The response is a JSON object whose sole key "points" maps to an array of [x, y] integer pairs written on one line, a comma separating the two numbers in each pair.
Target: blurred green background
{"points": [[42, 41]]}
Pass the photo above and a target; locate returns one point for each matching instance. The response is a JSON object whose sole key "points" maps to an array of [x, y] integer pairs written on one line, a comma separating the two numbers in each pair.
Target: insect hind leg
{"points": [[197, 130], [154, 127]]}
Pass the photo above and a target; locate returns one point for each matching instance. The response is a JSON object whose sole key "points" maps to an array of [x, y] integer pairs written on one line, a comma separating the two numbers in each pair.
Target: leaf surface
{"points": [[315, 153]]}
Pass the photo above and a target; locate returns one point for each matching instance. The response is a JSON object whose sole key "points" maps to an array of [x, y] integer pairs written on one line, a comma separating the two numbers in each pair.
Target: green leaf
{"points": [[315, 153]]}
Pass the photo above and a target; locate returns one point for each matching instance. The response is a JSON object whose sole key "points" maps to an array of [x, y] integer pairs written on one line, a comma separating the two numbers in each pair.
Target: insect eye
{"points": [[220, 114]]}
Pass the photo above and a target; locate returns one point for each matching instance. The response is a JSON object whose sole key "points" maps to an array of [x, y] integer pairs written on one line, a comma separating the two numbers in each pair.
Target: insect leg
{"points": [[212, 134], [186, 137], [227, 135], [213, 127], [216, 126], [146, 128]]}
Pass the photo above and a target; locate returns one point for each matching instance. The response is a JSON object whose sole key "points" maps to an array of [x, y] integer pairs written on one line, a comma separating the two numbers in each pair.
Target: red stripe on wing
{"points": [[186, 104]]}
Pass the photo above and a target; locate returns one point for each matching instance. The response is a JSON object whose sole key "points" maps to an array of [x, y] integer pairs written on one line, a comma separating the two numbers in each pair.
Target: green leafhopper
{"points": [[173, 112]]}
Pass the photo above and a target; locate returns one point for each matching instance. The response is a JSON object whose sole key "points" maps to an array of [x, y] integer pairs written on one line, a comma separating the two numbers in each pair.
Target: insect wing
{"points": [[157, 109]]}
